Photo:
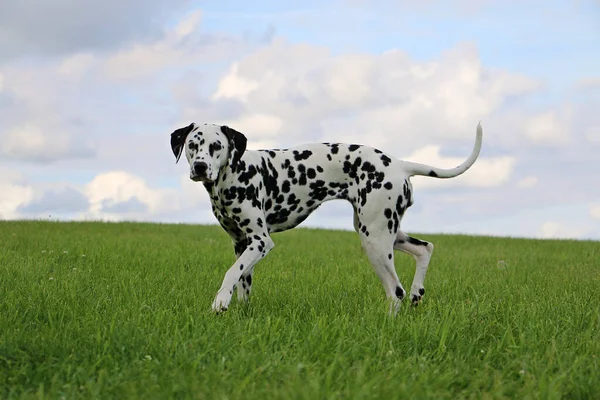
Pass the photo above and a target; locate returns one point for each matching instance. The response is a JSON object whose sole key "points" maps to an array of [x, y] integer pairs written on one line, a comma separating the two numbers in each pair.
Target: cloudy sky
{"points": [[90, 92]]}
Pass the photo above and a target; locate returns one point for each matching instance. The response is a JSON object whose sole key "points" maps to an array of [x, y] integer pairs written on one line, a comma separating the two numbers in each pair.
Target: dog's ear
{"points": [[178, 140], [237, 144]]}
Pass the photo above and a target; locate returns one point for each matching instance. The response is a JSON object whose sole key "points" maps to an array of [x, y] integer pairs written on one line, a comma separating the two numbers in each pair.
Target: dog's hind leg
{"points": [[378, 242], [421, 251]]}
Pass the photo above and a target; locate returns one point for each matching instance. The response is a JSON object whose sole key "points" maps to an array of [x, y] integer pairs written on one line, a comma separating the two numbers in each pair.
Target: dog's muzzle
{"points": [[199, 172]]}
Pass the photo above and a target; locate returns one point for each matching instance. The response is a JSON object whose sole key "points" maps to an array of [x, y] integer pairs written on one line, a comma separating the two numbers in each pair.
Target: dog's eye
{"points": [[217, 146]]}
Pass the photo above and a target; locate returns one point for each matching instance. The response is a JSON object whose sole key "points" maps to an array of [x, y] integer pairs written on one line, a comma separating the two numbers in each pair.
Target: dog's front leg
{"points": [[258, 247]]}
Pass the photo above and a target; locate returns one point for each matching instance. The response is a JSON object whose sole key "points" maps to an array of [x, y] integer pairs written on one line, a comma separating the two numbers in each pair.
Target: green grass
{"points": [[90, 310]]}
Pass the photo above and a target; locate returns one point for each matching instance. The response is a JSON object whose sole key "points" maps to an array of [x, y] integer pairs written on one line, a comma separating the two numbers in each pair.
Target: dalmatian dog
{"points": [[258, 192]]}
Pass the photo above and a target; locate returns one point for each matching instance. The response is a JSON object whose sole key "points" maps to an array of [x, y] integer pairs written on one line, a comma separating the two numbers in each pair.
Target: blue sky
{"points": [[86, 110]]}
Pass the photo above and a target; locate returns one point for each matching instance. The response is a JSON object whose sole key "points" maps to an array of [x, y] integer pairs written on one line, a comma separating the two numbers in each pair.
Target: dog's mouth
{"points": [[198, 178]]}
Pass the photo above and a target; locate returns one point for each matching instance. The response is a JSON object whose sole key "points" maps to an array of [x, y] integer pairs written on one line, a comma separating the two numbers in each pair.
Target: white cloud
{"points": [[547, 128], [55, 198], [30, 143], [109, 189], [14, 193], [595, 211], [262, 126], [528, 182], [77, 65], [188, 24], [13, 196], [109, 196], [592, 134], [234, 86], [34, 27], [394, 101], [556, 230], [182, 46], [588, 83]]}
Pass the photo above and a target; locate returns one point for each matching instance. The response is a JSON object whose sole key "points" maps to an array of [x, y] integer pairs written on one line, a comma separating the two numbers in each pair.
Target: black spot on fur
{"points": [[399, 292], [421, 291], [400, 206], [351, 169], [318, 190], [368, 167], [386, 160], [302, 156], [433, 174], [248, 174], [214, 147], [388, 185], [416, 241], [353, 147], [245, 222], [240, 246]]}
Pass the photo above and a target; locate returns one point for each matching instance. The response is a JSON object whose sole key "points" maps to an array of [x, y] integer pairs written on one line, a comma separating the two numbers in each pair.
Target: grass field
{"points": [[91, 310]]}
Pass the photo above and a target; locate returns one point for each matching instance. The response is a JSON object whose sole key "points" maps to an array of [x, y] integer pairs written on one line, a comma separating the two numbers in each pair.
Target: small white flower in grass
{"points": [[43, 251], [65, 251], [482, 351], [51, 278], [74, 269], [522, 372], [83, 255], [148, 357], [501, 264]]}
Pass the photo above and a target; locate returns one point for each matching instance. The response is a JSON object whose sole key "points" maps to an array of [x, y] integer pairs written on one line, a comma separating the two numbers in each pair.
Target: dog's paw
{"points": [[221, 303], [394, 307], [416, 294]]}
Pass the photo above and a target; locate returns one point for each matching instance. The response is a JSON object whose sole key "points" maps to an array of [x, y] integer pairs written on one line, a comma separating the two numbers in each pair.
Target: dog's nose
{"points": [[200, 168]]}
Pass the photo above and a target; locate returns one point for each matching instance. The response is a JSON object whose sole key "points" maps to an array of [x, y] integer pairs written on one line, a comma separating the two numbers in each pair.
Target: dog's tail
{"points": [[426, 170]]}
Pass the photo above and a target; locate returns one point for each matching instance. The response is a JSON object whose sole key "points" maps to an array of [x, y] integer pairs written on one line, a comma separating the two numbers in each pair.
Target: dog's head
{"points": [[208, 149]]}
